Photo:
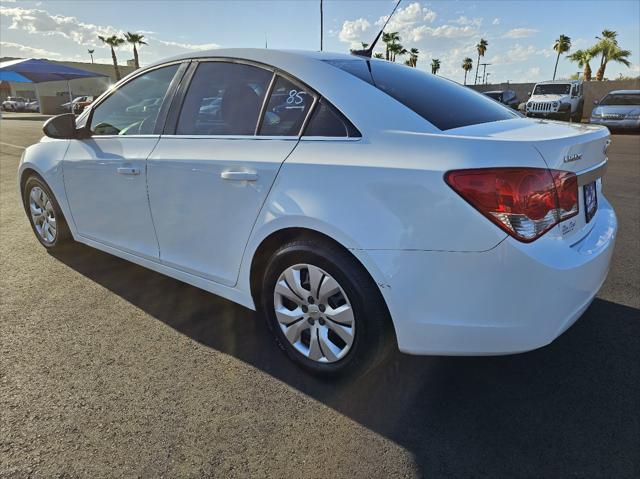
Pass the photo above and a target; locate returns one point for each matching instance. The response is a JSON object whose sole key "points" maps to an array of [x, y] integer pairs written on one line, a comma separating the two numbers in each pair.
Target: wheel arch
{"points": [[270, 244]]}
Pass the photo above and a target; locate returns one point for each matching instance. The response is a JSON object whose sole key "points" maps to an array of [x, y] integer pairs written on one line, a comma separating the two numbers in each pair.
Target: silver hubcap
{"points": [[42, 214], [314, 313]]}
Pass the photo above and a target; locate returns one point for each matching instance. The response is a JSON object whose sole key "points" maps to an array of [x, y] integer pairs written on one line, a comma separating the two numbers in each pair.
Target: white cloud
{"points": [[462, 20], [81, 35], [352, 31], [496, 21], [450, 31], [10, 49], [520, 33], [429, 15], [519, 53]]}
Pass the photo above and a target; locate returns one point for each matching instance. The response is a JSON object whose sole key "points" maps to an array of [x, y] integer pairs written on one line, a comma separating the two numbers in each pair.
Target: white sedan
{"points": [[355, 202]]}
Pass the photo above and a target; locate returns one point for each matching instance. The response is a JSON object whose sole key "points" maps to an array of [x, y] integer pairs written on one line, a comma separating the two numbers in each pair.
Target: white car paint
{"points": [[454, 283]]}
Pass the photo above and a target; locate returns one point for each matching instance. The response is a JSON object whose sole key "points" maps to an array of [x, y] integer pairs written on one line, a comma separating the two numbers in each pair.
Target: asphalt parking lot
{"points": [[110, 370]]}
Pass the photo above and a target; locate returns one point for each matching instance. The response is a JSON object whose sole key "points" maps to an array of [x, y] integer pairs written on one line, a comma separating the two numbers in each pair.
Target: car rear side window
{"points": [[224, 99], [441, 102], [326, 120], [133, 108], [287, 108]]}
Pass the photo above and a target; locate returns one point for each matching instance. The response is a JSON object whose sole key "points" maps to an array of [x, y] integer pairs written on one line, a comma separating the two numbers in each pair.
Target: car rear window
{"points": [[441, 102]]}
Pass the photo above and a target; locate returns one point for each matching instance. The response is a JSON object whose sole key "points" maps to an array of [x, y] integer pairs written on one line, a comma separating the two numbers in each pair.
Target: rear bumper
{"points": [[513, 298]]}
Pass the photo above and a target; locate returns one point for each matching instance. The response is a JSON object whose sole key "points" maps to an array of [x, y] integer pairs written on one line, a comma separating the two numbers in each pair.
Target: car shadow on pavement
{"points": [[570, 408]]}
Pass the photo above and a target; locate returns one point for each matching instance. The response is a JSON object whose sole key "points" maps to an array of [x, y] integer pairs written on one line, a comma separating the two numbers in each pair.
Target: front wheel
{"points": [[325, 311], [45, 216]]}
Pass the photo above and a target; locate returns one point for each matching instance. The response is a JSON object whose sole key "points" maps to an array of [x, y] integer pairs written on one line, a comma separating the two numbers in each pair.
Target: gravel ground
{"points": [[111, 370]]}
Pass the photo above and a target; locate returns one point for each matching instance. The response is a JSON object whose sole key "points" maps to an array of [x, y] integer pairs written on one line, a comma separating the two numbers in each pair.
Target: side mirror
{"points": [[595, 102], [61, 127]]}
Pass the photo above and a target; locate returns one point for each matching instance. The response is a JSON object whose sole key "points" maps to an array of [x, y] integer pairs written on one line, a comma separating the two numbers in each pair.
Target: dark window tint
{"points": [[133, 108], [223, 99], [621, 99], [288, 106], [327, 121], [443, 103]]}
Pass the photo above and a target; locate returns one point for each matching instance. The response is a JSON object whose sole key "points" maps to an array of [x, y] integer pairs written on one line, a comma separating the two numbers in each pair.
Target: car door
{"points": [[210, 174], [105, 173]]}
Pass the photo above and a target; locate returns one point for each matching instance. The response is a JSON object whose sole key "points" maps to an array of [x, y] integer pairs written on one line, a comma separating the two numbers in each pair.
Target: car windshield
{"points": [[621, 99], [552, 89], [496, 95], [443, 103]]}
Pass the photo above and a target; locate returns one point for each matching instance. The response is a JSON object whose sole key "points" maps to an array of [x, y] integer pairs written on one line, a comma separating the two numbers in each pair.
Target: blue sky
{"points": [[520, 33]]}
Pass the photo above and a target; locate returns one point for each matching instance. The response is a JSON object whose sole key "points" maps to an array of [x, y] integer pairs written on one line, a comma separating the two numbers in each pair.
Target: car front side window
{"points": [[133, 108]]}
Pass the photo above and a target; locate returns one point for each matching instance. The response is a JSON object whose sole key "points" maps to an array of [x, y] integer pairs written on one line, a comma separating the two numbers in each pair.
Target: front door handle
{"points": [[127, 170], [239, 175]]}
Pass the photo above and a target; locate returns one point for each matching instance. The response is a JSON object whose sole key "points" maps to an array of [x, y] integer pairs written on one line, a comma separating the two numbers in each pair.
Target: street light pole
{"points": [[321, 21]]}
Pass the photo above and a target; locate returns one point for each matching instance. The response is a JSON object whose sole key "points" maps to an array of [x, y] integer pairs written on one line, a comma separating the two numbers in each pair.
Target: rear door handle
{"points": [[239, 175], [128, 170]]}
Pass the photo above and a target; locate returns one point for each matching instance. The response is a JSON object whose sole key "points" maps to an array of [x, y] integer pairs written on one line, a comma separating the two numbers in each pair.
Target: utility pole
{"points": [[484, 70], [321, 21], [487, 78]]}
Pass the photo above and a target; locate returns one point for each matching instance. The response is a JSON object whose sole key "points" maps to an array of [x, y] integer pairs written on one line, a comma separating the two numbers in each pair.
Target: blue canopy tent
{"points": [[30, 70]]}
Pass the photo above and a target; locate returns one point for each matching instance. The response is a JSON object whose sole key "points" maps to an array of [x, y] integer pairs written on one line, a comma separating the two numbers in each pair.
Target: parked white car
{"points": [[353, 213], [32, 106], [14, 103], [560, 99]]}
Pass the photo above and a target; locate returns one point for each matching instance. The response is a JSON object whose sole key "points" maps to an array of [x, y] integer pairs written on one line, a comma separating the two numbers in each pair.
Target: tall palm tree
{"points": [[114, 41], [390, 39], [378, 55], [467, 66], [396, 49], [608, 38], [562, 45], [435, 66], [481, 47], [135, 39], [582, 58], [609, 50], [413, 57], [90, 51]]}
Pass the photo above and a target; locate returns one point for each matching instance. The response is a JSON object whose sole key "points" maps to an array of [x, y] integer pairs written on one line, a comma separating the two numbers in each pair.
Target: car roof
{"points": [[265, 55], [624, 92], [561, 82], [496, 91]]}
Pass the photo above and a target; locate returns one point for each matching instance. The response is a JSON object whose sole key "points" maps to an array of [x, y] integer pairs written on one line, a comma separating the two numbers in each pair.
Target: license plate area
{"points": [[590, 200]]}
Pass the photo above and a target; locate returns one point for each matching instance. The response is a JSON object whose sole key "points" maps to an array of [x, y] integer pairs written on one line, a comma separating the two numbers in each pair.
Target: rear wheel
{"points": [[325, 311], [44, 214]]}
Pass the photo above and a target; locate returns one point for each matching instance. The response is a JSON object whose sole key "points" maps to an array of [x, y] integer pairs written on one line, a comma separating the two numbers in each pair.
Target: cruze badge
{"points": [[574, 157]]}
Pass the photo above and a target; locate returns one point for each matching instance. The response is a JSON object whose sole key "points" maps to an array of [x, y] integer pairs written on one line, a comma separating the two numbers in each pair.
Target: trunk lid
{"points": [[573, 147]]}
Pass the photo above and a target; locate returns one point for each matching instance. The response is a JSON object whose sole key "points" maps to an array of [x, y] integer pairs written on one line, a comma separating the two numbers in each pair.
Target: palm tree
{"points": [[609, 50], [91, 54], [413, 57], [467, 66], [395, 49], [482, 49], [114, 41], [364, 45], [135, 39], [378, 55], [582, 58], [562, 45], [435, 66], [390, 39]]}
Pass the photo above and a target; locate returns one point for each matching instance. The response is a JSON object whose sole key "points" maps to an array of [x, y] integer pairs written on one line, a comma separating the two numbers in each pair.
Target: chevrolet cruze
{"points": [[356, 203]]}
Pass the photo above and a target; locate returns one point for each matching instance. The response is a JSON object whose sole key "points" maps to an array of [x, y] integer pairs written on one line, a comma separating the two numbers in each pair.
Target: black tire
{"points": [[374, 338], [63, 235]]}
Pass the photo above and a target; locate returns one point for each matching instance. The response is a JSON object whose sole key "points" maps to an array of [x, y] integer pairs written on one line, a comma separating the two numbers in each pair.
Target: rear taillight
{"points": [[525, 202]]}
